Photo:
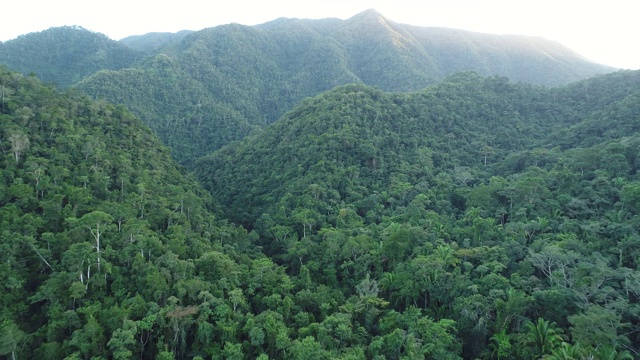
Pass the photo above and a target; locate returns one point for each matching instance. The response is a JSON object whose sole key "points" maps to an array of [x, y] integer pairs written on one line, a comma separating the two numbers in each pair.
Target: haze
{"points": [[603, 32]]}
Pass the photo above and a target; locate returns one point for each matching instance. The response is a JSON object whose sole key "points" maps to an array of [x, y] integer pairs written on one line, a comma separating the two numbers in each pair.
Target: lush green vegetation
{"points": [[185, 116], [475, 218], [506, 211], [65, 55], [151, 43], [107, 249], [200, 90]]}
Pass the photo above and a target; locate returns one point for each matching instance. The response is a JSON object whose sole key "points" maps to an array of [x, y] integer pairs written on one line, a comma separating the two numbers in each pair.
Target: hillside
{"points": [[152, 42], [65, 55], [506, 208], [458, 216], [105, 244], [235, 79], [446, 127]]}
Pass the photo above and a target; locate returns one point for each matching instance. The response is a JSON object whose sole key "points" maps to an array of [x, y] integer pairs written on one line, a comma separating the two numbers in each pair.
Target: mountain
{"points": [[460, 221], [109, 250], [255, 74], [528, 59], [152, 42], [506, 208], [65, 55], [355, 141], [472, 218], [99, 227], [177, 107]]}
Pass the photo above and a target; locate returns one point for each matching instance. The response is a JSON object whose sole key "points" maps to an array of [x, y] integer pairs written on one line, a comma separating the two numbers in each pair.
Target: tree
{"points": [[486, 151], [543, 336], [97, 222], [10, 338], [237, 299], [567, 352], [232, 351], [608, 352], [500, 345], [367, 305], [19, 143], [630, 195], [90, 339], [305, 217], [598, 326], [123, 340], [556, 264], [308, 348]]}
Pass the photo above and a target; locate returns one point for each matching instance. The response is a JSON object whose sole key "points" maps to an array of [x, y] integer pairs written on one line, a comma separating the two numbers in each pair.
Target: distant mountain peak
{"points": [[369, 14]]}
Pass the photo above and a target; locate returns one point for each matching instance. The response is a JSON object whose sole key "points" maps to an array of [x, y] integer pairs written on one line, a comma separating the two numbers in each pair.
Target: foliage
{"points": [[447, 223], [65, 55], [387, 198], [201, 90]]}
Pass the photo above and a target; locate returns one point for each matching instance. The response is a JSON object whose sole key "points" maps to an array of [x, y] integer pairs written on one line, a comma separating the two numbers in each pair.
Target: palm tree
{"points": [[544, 336], [608, 352], [566, 352], [500, 345]]}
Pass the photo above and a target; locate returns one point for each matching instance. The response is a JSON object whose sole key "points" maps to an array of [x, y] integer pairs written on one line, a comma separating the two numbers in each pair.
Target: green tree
{"points": [[500, 345], [544, 337], [11, 337], [123, 340], [19, 143], [598, 326]]}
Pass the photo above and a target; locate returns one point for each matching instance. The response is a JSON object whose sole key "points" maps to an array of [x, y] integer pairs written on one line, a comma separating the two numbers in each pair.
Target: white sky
{"points": [[603, 31]]}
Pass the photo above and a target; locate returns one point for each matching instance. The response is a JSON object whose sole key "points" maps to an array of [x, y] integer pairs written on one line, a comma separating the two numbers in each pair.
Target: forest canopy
{"points": [[475, 217]]}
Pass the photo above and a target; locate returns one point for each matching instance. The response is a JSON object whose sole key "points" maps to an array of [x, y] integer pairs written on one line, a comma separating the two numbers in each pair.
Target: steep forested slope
{"points": [[527, 59], [183, 114], [455, 202], [151, 43], [371, 137], [476, 218], [107, 249], [65, 55], [252, 75]]}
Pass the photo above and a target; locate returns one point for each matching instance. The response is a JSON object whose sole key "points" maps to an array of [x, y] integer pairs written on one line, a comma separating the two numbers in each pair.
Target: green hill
{"points": [[460, 221], [100, 230], [506, 208], [469, 217], [377, 138], [228, 81], [152, 42], [65, 55]]}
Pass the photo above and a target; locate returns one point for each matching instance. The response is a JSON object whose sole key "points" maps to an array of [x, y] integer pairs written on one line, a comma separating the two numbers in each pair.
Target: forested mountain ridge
{"points": [[451, 125], [467, 201], [472, 218], [225, 82], [445, 223], [152, 42], [65, 55]]}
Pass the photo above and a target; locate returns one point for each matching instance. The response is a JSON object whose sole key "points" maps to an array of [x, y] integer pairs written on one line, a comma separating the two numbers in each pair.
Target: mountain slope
{"points": [[260, 72], [521, 58], [355, 142], [97, 222], [504, 208], [400, 57], [183, 113], [447, 223], [107, 250], [152, 42], [65, 55]]}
